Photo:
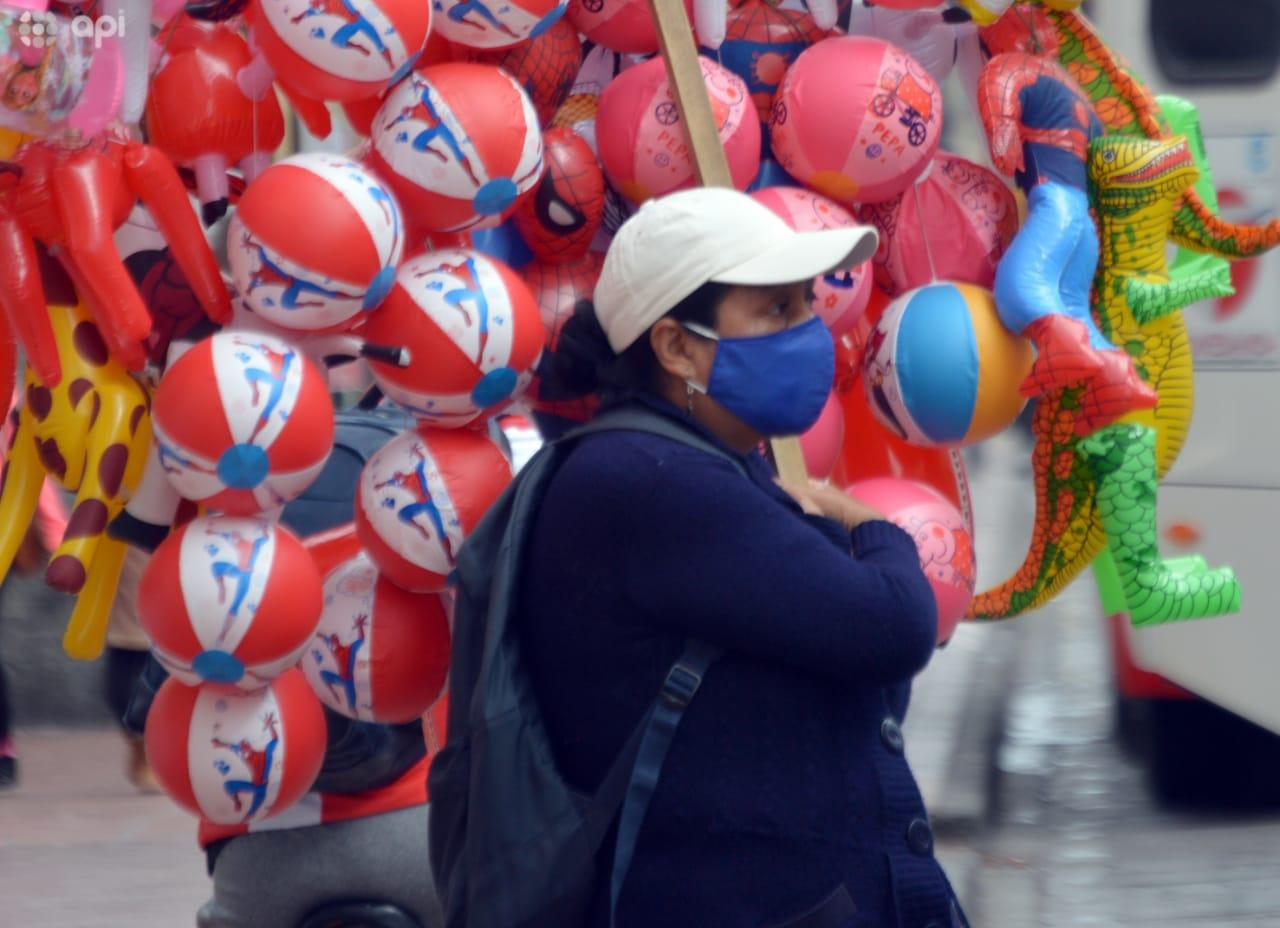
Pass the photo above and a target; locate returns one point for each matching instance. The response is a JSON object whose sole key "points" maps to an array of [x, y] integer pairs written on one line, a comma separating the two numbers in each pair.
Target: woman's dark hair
{"points": [[584, 363]]}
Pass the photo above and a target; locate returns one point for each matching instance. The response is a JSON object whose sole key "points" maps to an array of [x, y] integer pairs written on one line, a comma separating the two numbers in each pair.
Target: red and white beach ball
{"points": [[314, 242], [233, 757], [381, 654], [472, 330], [488, 24], [242, 423], [942, 539], [841, 298], [642, 142], [460, 145], [341, 49], [619, 25], [857, 119], [420, 496], [229, 600]]}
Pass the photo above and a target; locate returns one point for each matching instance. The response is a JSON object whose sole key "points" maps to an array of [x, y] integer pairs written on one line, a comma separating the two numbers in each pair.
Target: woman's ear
{"points": [[674, 347]]}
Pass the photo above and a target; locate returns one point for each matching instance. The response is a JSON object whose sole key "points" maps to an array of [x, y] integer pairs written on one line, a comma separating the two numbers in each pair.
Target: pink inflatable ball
{"points": [[641, 139], [620, 25], [838, 299], [822, 443], [483, 24], [856, 119], [941, 536], [954, 223]]}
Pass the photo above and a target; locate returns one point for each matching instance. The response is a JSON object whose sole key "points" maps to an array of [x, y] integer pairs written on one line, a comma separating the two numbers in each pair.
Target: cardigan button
{"points": [[891, 735], [920, 837]]}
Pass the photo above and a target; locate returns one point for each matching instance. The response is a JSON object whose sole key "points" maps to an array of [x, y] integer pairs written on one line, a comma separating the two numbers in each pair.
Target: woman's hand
{"points": [[819, 499]]}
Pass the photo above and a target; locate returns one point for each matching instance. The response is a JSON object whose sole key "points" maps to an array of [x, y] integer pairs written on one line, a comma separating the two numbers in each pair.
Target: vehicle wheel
{"points": [[1201, 755]]}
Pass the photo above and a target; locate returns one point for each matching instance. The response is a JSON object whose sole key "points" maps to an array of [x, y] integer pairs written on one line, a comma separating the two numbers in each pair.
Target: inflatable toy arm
{"points": [[23, 301], [87, 628], [1195, 226], [1124, 461], [113, 448], [1149, 301], [152, 176], [83, 186], [24, 476], [1001, 112]]}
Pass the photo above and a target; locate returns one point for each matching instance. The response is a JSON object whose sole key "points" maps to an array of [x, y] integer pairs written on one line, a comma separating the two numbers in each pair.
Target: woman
{"points": [[785, 799]]}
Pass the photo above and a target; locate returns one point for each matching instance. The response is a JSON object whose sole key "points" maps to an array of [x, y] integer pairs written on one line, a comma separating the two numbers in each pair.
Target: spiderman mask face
{"points": [[559, 221]]}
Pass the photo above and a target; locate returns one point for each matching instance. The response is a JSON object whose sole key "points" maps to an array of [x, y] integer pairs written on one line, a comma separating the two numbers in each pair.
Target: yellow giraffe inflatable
{"points": [[90, 434]]}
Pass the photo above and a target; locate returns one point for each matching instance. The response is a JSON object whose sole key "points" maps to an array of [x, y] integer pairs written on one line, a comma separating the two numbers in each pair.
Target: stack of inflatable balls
{"points": [[243, 423]]}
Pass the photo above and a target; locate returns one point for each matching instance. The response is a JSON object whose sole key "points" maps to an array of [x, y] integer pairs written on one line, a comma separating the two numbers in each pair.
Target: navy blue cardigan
{"points": [[786, 778]]}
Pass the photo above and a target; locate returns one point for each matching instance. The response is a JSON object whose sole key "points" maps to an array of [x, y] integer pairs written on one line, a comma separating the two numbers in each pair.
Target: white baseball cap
{"points": [[675, 244]]}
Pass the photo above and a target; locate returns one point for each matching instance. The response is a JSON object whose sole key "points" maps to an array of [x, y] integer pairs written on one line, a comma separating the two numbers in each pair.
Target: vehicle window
{"points": [[1195, 44]]}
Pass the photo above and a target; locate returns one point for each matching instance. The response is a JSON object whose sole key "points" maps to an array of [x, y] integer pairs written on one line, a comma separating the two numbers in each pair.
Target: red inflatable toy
{"points": [[420, 496], [642, 141], [380, 654], [562, 217], [232, 757], [229, 600]]}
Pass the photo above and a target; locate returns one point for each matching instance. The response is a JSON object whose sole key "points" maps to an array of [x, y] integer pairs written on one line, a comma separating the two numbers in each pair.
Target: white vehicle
{"points": [[1222, 498]]}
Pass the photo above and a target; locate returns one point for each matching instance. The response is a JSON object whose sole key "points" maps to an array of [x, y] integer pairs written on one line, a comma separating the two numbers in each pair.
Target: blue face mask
{"points": [[778, 383]]}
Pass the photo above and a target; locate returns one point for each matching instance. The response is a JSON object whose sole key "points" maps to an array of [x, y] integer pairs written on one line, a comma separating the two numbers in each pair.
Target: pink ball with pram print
{"points": [[231, 601], [856, 119], [420, 496], [343, 50], [841, 298], [642, 140], [242, 423], [381, 654], [233, 757], [942, 539]]}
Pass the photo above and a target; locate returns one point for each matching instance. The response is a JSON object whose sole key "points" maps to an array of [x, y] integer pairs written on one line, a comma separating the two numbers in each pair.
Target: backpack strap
{"points": [[636, 418], [633, 778], [659, 730]]}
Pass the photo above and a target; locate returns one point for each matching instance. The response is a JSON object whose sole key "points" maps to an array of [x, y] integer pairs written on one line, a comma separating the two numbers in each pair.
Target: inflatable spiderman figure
{"points": [[1039, 124]]}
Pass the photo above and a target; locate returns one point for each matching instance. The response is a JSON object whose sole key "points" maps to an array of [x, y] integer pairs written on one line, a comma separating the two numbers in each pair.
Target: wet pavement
{"points": [[1077, 839]]}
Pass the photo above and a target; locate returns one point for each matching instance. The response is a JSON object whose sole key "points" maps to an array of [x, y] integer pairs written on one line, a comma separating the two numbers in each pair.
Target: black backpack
{"points": [[512, 845]]}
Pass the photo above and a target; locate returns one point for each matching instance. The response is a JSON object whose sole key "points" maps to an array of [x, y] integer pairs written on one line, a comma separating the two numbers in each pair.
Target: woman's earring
{"points": [[688, 398]]}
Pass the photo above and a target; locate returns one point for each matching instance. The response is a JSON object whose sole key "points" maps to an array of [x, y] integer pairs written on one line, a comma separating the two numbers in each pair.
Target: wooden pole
{"points": [[675, 37]]}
